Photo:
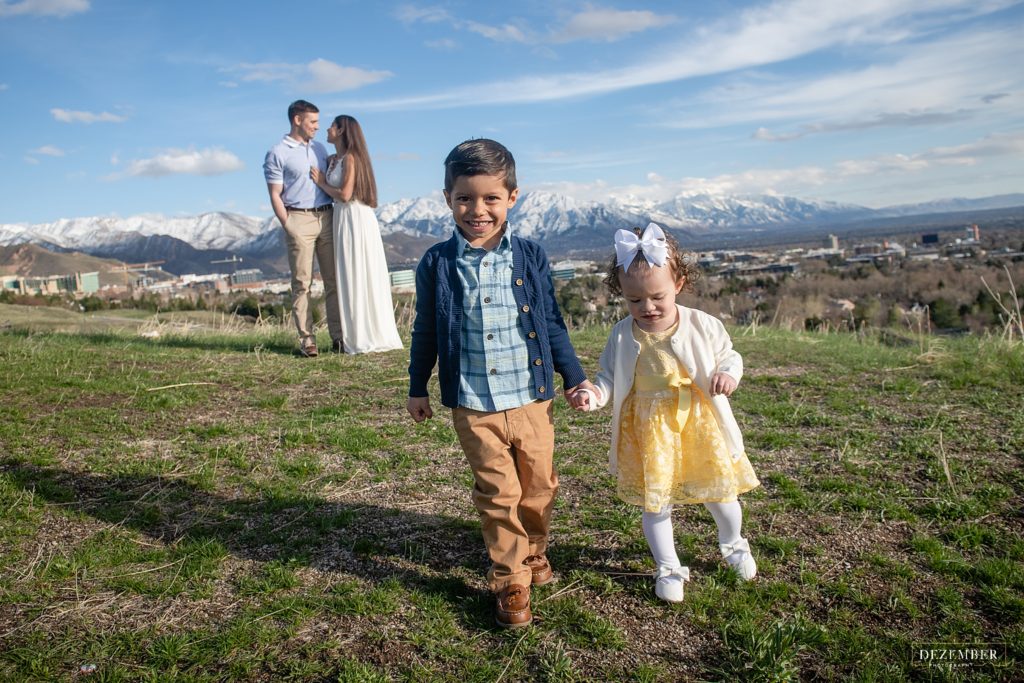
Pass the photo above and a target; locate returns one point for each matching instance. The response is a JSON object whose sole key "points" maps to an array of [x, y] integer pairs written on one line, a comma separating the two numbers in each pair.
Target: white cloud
{"points": [[4, 86], [446, 44], [756, 37], [319, 75], [31, 160], [409, 14], [49, 150], [952, 79], [607, 25], [212, 161], [69, 116], [595, 24], [506, 33], [52, 8], [803, 181]]}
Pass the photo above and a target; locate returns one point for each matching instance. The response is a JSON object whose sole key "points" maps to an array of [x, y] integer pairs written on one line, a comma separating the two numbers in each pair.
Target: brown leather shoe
{"points": [[308, 348], [513, 607], [541, 569]]}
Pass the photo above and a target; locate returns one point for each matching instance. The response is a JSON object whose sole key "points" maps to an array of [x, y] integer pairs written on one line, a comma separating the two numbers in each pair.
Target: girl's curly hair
{"points": [[683, 265]]}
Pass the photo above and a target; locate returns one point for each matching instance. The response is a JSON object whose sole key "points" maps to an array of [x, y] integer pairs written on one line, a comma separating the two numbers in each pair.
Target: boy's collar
{"points": [[461, 244]]}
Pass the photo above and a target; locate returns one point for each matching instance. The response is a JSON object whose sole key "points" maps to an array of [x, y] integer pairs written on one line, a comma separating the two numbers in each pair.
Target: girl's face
{"points": [[650, 295]]}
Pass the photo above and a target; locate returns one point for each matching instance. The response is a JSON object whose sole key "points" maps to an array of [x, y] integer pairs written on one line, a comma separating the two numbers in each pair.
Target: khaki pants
{"points": [[308, 234], [510, 453]]}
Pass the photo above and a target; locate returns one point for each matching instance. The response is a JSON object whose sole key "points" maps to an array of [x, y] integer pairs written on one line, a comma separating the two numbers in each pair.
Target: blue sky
{"points": [[120, 107]]}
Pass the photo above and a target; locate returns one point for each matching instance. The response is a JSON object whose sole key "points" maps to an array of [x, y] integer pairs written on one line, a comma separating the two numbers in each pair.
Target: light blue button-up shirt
{"points": [[288, 163], [494, 372]]}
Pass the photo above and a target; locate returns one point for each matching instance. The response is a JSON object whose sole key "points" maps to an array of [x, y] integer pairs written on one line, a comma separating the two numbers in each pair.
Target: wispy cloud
{"points": [[509, 32], [884, 120], [607, 25], [49, 150], [4, 86], [894, 168], [756, 37], [69, 116], [446, 44], [593, 23], [51, 8], [319, 75], [951, 79], [205, 162]]}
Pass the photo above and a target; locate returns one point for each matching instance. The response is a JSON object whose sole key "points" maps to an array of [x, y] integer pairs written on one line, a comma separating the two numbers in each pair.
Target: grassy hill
{"points": [[207, 506]]}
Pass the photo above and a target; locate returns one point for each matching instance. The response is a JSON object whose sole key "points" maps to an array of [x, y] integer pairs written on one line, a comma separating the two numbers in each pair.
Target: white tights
{"points": [[658, 530]]}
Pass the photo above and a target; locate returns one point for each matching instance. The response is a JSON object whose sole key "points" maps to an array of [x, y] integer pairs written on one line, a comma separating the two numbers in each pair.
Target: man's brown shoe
{"points": [[541, 569], [513, 608], [308, 348]]}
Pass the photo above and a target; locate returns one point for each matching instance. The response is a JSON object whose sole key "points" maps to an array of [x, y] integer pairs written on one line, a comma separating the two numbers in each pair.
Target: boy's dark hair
{"points": [[480, 157], [300, 107], [683, 265]]}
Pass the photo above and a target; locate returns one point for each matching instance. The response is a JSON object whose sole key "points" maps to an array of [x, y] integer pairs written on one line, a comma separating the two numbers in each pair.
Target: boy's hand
{"points": [[722, 383], [578, 398], [419, 408]]}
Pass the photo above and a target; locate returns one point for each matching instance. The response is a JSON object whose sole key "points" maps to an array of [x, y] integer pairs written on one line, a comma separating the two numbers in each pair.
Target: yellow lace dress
{"points": [[670, 447]]}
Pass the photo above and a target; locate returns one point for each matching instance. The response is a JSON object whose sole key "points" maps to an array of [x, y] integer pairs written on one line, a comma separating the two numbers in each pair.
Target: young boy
{"points": [[486, 313]]}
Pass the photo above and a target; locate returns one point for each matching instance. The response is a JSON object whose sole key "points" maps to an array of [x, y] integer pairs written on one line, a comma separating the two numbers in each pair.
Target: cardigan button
{"points": [[526, 309], [541, 389], [519, 281], [532, 335], [537, 361]]}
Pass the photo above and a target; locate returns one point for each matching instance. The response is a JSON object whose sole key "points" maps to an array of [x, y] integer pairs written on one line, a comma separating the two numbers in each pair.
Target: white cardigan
{"points": [[702, 346]]}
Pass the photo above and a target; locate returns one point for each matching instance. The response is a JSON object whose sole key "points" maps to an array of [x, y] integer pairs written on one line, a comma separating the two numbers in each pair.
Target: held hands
{"points": [[314, 174], [722, 383], [419, 408], [578, 398]]}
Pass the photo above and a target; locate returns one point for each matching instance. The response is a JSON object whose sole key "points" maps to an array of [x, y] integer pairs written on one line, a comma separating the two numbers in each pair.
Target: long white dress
{"points": [[364, 286]]}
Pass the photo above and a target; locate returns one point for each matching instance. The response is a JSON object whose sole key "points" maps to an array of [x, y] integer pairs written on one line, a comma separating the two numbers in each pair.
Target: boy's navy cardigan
{"points": [[437, 332]]}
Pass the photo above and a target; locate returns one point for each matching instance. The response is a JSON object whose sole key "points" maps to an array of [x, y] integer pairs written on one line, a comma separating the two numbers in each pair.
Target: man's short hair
{"points": [[480, 157], [300, 107]]}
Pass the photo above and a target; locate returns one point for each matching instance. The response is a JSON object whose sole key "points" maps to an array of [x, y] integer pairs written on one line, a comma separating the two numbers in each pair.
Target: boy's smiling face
{"points": [[480, 205]]}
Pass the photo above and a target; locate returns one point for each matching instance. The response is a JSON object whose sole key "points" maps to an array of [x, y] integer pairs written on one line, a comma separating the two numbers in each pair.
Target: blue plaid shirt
{"points": [[494, 357]]}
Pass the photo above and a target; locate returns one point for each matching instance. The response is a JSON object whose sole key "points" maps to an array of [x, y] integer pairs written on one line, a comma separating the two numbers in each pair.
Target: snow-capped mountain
{"points": [[218, 230], [566, 225]]}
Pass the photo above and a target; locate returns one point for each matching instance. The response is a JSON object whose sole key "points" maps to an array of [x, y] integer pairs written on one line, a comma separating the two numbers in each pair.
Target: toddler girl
{"points": [[670, 370]]}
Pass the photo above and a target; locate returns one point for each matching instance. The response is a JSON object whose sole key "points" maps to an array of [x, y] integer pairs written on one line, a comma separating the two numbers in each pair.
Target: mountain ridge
{"points": [[565, 225]]}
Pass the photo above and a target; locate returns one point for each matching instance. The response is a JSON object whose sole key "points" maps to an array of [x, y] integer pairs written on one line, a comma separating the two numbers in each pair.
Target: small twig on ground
{"points": [[183, 384], [945, 466], [563, 591], [512, 656]]}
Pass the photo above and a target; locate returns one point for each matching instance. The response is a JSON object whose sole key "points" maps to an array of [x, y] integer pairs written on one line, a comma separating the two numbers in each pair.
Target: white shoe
{"points": [[668, 583], [737, 556]]}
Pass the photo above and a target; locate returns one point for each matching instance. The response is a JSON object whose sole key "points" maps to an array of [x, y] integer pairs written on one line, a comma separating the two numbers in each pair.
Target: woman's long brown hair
{"points": [[351, 134]]}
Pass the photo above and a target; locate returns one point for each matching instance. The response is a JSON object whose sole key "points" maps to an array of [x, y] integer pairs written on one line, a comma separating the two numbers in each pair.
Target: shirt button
{"points": [[485, 264], [490, 336], [537, 361], [519, 281], [494, 371], [487, 299], [532, 335], [526, 309]]}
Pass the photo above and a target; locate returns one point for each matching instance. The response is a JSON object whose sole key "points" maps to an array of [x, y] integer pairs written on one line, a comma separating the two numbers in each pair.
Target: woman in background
{"points": [[364, 286]]}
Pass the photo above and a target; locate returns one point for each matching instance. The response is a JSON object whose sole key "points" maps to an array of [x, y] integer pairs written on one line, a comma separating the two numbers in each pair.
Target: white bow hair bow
{"points": [[651, 244]]}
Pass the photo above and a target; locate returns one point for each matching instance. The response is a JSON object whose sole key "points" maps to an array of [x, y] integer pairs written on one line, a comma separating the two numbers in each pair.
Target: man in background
{"points": [[306, 214]]}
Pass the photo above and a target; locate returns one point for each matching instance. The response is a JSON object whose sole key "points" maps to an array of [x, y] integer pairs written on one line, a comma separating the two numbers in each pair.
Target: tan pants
{"points": [[308, 234], [510, 453]]}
